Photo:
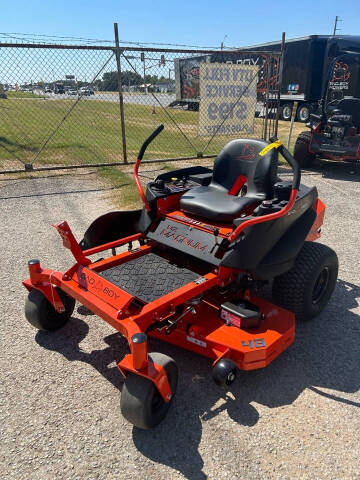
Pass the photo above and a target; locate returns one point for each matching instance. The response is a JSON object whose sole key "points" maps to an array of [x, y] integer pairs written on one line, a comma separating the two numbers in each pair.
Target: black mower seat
{"points": [[239, 158]]}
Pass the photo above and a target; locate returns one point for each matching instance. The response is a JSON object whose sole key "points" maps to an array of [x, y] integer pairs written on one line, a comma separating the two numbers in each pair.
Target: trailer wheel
{"points": [[307, 287], [141, 403], [42, 315], [303, 113], [193, 106], [286, 110], [301, 150]]}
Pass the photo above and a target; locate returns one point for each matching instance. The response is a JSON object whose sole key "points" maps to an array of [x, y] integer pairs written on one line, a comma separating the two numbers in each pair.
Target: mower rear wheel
{"points": [[307, 287], [141, 403], [301, 150], [42, 315]]}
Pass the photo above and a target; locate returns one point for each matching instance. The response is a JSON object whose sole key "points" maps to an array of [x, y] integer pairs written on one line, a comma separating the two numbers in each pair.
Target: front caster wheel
{"points": [[42, 315], [224, 372], [141, 403]]}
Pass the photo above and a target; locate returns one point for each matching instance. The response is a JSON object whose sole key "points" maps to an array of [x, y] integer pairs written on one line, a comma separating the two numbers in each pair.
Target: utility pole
{"points": [[222, 43], [337, 19]]}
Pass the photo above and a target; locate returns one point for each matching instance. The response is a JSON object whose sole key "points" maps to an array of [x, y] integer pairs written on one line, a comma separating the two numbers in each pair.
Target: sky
{"points": [[196, 22]]}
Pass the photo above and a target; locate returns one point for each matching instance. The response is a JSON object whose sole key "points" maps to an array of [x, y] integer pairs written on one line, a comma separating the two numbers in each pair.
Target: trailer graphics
{"points": [[187, 75], [306, 63], [344, 80], [228, 98]]}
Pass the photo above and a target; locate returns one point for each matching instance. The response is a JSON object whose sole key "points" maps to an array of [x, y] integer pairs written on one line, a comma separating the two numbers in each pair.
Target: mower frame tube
{"points": [[113, 244]]}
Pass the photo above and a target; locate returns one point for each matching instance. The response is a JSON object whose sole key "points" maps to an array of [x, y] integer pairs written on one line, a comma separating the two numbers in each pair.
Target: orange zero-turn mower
{"points": [[198, 251]]}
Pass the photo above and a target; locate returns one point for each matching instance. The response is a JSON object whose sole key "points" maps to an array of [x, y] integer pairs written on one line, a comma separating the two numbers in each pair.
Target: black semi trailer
{"points": [[306, 64]]}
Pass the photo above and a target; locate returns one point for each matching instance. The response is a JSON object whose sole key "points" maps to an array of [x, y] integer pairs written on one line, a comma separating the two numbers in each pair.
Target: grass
{"points": [[91, 133], [125, 194], [19, 94]]}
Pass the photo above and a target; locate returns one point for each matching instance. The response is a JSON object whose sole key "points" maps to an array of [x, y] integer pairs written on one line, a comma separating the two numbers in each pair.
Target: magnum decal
{"points": [[187, 239], [171, 233]]}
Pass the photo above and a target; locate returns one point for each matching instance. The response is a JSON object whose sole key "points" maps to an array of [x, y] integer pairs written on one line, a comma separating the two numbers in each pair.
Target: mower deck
{"points": [[148, 277], [250, 348]]}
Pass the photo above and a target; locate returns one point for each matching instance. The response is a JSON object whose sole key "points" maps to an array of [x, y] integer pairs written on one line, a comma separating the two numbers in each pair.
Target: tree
{"points": [[163, 79], [131, 78], [110, 80], [151, 79]]}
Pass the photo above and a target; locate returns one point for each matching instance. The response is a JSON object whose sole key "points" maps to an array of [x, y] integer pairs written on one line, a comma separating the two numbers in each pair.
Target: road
{"points": [[140, 99], [59, 400]]}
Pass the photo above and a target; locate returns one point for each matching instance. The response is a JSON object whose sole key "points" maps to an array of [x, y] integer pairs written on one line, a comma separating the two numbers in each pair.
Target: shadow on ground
{"points": [[324, 355], [342, 171]]}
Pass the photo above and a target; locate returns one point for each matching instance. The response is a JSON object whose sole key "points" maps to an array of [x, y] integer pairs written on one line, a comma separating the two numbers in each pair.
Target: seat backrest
{"points": [[351, 106], [241, 157]]}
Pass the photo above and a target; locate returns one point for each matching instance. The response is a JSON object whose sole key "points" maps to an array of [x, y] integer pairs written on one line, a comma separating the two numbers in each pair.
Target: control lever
{"points": [[216, 234], [172, 324], [137, 165]]}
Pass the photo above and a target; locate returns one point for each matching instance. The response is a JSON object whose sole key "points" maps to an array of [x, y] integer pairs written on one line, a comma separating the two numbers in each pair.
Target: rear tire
{"points": [[40, 313], [141, 403], [301, 151], [307, 287]]}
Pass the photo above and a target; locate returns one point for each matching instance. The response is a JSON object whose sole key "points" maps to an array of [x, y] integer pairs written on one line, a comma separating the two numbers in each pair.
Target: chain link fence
{"points": [[67, 106]]}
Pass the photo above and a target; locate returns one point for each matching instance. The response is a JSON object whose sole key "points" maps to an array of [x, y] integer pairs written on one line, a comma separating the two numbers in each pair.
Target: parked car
{"points": [[86, 91], [72, 92]]}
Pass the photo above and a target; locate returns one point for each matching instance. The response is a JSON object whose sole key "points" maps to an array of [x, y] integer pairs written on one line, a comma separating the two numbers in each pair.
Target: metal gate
{"points": [[75, 106]]}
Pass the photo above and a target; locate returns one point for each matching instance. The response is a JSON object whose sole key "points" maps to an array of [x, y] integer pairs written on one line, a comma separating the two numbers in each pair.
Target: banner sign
{"points": [[227, 91]]}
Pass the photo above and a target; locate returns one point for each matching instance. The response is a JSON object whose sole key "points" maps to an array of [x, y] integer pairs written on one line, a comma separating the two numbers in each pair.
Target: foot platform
{"points": [[149, 277]]}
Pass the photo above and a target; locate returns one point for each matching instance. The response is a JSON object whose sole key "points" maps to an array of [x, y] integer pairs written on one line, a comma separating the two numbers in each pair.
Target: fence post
{"points": [[293, 114], [280, 80], [267, 96], [121, 99]]}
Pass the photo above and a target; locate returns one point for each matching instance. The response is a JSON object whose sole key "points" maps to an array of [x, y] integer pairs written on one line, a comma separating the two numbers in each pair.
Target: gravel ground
{"points": [[60, 417]]}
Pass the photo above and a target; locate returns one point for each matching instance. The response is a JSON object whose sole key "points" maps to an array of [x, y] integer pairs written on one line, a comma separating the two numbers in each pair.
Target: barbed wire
{"points": [[35, 38]]}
